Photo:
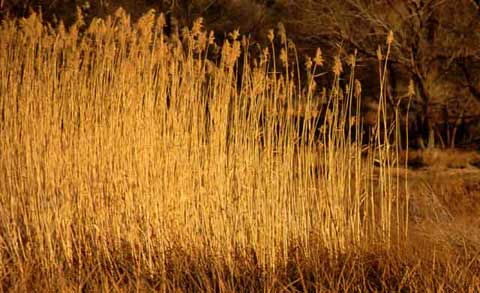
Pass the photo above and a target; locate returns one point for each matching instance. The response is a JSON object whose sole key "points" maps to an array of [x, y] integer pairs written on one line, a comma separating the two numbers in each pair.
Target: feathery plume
{"points": [[270, 35], [337, 66], [390, 38], [319, 57]]}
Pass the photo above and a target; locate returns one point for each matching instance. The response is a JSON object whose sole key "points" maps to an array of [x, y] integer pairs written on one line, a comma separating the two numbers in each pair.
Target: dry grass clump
{"points": [[130, 161], [446, 195], [443, 159]]}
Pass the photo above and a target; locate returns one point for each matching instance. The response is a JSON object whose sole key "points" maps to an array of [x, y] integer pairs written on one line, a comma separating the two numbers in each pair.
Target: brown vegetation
{"points": [[435, 48], [132, 161]]}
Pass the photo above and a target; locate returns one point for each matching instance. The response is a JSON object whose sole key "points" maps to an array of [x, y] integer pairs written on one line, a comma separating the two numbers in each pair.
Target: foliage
{"points": [[435, 46], [131, 160], [122, 142]]}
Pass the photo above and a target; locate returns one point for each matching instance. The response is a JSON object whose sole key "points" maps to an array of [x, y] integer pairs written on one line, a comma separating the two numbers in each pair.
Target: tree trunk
{"points": [[427, 130], [431, 133]]}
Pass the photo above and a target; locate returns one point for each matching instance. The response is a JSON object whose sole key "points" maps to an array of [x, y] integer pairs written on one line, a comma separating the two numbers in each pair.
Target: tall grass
{"points": [[128, 152]]}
